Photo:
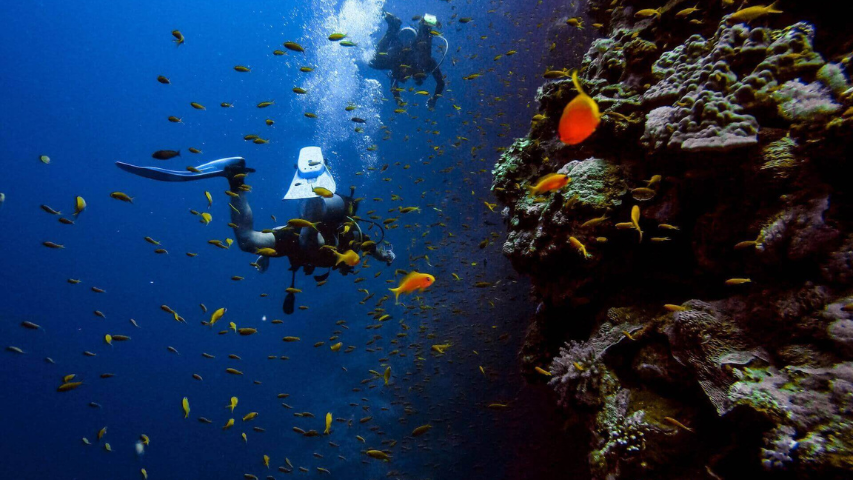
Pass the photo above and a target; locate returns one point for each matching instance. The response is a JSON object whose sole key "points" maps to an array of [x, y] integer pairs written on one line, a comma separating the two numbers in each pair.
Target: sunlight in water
{"points": [[341, 84]]}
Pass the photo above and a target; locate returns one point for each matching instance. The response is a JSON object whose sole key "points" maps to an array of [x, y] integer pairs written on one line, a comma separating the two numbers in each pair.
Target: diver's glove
{"points": [[394, 23], [431, 102], [263, 263], [386, 254]]}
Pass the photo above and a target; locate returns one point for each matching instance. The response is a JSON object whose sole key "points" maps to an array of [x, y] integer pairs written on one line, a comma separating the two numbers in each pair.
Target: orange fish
{"points": [[413, 281], [552, 181], [580, 117]]}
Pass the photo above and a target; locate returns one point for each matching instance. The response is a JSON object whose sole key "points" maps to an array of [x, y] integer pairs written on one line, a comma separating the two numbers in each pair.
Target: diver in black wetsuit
{"points": [[335, 218], [409, 58]]}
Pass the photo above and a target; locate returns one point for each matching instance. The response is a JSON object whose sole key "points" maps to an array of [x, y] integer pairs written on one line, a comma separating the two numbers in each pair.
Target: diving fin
{"points": [[225, 167], [311, 172], [289, 303], [290, 298]]}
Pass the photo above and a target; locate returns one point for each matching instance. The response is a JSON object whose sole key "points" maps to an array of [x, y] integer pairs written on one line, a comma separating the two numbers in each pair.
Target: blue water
{"points": [[79, 84]]}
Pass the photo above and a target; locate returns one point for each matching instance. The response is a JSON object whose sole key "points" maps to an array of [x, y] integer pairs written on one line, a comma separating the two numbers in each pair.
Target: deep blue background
{"points": [[79, 85]]}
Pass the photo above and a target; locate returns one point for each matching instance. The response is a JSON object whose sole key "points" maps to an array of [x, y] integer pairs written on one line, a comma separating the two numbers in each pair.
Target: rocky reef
{"points": [[716, 339]]}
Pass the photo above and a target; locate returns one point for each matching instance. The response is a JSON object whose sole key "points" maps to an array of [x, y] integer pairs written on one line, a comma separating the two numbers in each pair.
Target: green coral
{"points": [[595, 183], [512, 162]]}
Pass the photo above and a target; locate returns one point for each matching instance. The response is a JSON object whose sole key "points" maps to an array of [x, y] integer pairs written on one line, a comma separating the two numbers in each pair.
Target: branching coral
{"points": [[578, 375]]}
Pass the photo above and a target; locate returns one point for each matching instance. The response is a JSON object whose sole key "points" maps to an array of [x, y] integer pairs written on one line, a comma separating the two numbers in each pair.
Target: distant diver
{"points": [[306, 246], [407, 53]]}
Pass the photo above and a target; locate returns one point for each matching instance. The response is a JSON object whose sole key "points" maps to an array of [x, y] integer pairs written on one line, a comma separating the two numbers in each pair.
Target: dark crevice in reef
{"points": [[738, 136]]}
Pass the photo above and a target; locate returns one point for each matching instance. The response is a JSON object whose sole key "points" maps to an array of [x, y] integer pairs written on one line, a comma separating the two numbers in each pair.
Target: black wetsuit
{"points": [[408, 62]]}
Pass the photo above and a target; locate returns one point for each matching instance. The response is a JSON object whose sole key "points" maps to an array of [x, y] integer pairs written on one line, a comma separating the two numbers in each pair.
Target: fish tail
{"points": [[396, 295], [772, 8], [179, 153]]}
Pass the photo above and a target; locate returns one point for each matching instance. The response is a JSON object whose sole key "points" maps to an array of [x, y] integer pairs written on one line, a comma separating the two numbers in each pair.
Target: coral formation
{"points": [[718, 343]]}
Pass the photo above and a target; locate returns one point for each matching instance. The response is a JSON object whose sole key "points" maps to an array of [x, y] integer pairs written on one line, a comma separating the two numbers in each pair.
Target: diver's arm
{"points": [[383, 254], [248, 239]]}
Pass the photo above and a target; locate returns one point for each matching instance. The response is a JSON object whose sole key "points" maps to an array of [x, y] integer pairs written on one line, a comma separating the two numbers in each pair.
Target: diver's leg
{"points": [[311, 209], [248, 239], [224, 167], [386, 43]]}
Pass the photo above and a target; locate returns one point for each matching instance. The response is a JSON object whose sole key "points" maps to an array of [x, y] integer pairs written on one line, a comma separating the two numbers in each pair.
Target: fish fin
{"points": [[396, 295], [772, 8], [576, 82]]}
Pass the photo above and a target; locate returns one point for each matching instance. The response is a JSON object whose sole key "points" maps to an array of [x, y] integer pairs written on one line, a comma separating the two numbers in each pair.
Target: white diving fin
{"points": [[311, 172]]}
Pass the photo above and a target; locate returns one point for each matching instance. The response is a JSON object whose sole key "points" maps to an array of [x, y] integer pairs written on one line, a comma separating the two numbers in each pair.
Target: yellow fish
{"points": [[635, 220], [580, 246], [300, 223], [379, 455], [186, 405], [328, 423], [122, 196], [233, 404], [229, 424], [217, 315], [349, 257], [648, 12], [751, 13], [79, 205], [323, 192]]}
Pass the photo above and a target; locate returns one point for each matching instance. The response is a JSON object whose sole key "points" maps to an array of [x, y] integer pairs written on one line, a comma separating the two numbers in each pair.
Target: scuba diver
{"points": [[335, 228], [407, 53]]}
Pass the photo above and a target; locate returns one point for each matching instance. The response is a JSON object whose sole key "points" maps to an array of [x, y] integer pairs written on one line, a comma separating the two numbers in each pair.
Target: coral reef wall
{"points": [[715, 340]]}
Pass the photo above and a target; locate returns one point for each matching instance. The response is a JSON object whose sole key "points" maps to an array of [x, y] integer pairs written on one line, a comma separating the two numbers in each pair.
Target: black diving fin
{"points": [[289, 303], [224, 167], [290, 298]]}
